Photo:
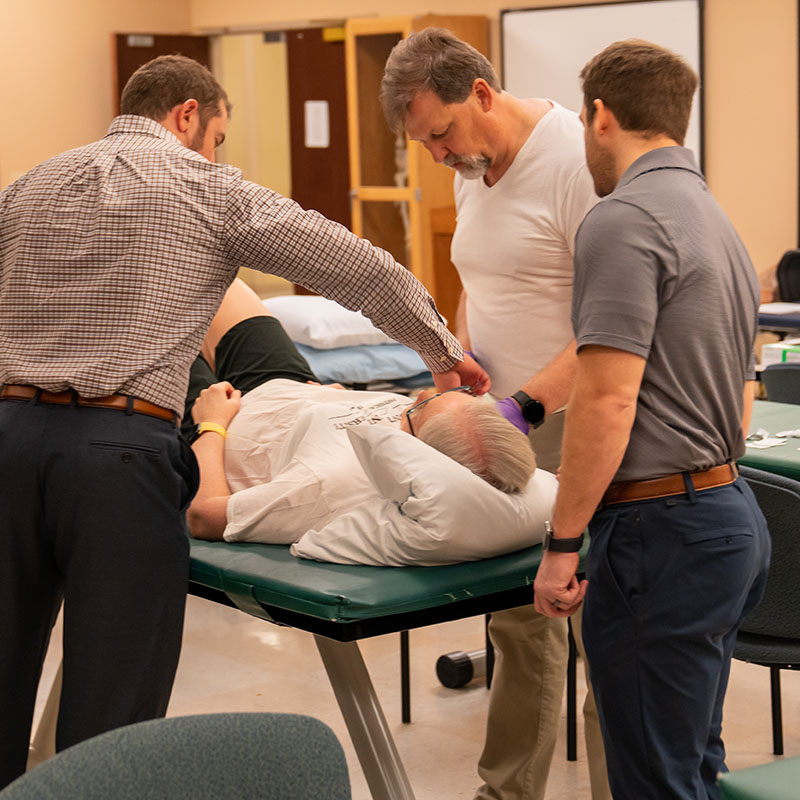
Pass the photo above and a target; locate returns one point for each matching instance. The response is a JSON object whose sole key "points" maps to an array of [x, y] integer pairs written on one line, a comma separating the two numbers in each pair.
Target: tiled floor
{"points": [[232, 662]]}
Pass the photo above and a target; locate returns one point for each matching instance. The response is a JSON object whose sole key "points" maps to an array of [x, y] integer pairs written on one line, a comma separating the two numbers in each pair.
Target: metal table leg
{"points": [[366, 724], [405, 678]]}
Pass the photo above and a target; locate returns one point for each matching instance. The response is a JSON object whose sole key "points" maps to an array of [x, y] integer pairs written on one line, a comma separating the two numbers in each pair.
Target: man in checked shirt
{"points": [[113, 259]]}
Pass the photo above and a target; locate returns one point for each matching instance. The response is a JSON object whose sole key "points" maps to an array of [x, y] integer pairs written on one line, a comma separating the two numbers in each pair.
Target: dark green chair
{"points": [[203, 757], [779, 780], [782, 382], [770, 634]]}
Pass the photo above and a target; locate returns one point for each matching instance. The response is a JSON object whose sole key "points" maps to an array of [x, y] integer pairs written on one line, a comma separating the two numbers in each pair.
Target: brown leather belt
{"points": [[120, 402], [630, 491]]}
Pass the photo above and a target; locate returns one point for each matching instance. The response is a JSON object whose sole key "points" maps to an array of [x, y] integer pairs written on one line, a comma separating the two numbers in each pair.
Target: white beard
{"points": [[469, 167]]}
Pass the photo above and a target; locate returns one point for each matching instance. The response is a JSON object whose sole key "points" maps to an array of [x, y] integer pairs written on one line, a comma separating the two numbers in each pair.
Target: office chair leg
{"points": [[777, 716], [572, 702], [489, 653], [405, 679]]}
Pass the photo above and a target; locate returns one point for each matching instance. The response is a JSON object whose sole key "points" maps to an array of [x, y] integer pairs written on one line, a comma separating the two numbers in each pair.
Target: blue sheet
{"points": [[366, 363]]}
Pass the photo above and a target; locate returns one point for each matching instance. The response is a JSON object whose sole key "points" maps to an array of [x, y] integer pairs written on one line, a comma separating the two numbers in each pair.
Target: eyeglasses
{"points": [[413, 409]]}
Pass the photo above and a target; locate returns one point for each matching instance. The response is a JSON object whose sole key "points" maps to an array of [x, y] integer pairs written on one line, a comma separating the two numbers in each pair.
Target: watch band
{"points": [[566, 545], [532, 410], [214, 427]]}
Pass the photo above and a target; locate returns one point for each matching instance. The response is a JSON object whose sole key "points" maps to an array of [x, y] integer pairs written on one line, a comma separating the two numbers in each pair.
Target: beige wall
{"points": [[751, 96], [55, 85], [56, 71], [751, 120], [255, 76]]}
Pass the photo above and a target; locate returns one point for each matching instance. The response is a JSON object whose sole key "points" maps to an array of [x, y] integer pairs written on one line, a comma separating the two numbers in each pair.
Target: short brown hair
{"points": [[434, 60], [648, 88], [167, 81]]}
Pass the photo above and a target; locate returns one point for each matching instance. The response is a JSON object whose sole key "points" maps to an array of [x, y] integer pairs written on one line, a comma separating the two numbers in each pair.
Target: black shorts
{"points": [[252, 352]]}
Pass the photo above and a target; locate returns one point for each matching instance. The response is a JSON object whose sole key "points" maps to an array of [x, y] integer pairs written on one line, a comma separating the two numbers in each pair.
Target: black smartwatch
{"points": [[560, 545], [532, 410]]}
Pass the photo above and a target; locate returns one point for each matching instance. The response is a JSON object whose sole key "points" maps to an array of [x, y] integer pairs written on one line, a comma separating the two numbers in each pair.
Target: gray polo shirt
{"points": [[661, 272]]}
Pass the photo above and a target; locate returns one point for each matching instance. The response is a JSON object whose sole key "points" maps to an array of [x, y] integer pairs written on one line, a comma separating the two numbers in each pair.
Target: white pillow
{"points": [[322, 323], [431, 511]]}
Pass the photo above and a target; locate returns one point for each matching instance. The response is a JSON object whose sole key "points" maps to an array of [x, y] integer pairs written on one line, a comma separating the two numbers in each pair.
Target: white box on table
{"points": [[780, 352]]}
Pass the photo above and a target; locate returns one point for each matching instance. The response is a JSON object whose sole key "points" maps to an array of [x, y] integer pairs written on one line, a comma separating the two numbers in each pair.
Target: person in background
{"points": [[113, 259], [521, 190], [679, 548]]}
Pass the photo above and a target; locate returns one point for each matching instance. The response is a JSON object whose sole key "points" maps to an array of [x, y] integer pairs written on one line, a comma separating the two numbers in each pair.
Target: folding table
{"points": [[340, 604], [775, 418]]}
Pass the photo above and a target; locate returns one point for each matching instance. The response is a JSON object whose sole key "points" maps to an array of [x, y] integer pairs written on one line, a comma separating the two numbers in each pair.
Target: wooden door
{"points": [[320, 175], [402, 200], [131, 50], [320, 164]]}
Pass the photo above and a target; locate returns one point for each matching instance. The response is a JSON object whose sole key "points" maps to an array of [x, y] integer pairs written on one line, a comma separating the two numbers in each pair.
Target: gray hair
{"points": [[167, 81], [483, 441], [431, 60]]}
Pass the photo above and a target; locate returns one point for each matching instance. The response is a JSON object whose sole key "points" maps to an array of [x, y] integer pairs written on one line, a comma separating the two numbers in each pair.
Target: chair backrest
{"points": [[213, 756], [777, 779], [789, 276], [778, 613], [782, 382]]}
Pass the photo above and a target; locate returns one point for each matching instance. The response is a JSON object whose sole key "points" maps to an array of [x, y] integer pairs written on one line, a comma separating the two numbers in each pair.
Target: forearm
{"points": [[747, 406], [599, 419], [207, 514], [461, 326], [552, 385], [595, 439]]}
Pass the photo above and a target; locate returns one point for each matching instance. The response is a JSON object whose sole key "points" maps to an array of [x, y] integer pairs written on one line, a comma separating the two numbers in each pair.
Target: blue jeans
{"points": [[91, 510], [670, 580]]}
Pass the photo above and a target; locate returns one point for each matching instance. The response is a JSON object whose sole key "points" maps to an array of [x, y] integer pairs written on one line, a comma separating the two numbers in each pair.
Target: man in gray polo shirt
{"points": [[664, 312]]}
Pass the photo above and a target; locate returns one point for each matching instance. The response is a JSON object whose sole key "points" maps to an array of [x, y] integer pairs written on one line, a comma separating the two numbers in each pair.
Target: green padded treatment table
{"points": [[778, 780], [775, 417], [340, 604]]}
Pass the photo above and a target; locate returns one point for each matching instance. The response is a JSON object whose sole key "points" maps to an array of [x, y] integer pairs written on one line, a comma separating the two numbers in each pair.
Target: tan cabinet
{"points": [[400, 199]]}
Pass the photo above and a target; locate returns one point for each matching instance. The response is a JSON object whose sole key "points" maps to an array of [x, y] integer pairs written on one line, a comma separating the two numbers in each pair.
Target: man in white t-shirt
{"points": [[272, 445], [522, 189]]}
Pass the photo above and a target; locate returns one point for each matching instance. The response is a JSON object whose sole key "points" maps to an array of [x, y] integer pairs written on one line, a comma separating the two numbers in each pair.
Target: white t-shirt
{"points": [[513, 249], [288, 459]]}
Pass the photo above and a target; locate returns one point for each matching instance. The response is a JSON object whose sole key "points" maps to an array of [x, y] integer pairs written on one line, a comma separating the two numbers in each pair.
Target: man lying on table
{"points": [[278, 461]]}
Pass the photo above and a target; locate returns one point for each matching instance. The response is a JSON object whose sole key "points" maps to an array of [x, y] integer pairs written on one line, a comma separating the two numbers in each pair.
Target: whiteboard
{"points": [[544, 49]]}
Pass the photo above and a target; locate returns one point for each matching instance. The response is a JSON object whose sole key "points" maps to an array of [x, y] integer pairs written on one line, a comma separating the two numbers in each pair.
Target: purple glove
{"points": [[511, 411]]}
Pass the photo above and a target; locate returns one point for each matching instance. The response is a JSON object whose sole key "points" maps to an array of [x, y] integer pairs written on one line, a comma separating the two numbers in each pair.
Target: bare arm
{"points": [[207, 515], [461, 327], [599, 421], [552, 384], [747, 406]]}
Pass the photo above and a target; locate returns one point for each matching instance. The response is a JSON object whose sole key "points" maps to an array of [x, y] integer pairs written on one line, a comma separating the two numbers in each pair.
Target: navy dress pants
{"points": [[669, 582], [91, 511]]}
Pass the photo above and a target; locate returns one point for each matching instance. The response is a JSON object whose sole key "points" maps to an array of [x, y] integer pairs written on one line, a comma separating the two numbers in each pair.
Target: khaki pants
{"points": [[531, 654]]}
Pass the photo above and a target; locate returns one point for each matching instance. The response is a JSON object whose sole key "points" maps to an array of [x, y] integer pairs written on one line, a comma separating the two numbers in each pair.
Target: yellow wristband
{"points": [[211, 426]]}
